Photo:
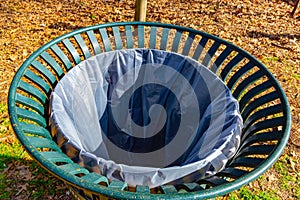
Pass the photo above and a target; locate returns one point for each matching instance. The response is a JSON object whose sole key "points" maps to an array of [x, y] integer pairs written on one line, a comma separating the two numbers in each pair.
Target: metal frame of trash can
{"points": [[263, 105]]}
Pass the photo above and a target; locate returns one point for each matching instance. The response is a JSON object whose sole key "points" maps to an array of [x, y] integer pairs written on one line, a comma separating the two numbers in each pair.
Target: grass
{"points": [[245, 193], [20, 176], [290, 179]]}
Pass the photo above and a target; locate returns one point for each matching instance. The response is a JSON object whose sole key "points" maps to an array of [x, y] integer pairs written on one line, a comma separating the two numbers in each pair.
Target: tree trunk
{"points": [[140, 10]]}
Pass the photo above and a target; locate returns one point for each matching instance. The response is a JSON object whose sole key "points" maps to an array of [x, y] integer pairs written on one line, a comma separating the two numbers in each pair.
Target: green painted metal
{"points": [[26, 114], [70, 47], [129, 39], [84, 48], [105, 39], [142, 189], [36, 130], [169, 189], [74, 168], [164, 39], [200, 48], [188, 44], [153, 37], [220, 60], [28, 105], [117, 185], [117, 37], [38, 80], [238, 74], [211, 52], [190, 187], [238, 58], [32, 91], [43, 70], [94, 42], [56, 157], [141, 39], [63, 58], [53, 64], [43, 143], [176, 41], [95, 178]]}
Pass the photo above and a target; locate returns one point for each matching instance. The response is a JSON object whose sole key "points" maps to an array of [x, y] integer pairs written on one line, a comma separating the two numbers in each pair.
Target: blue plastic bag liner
{"points": [[146, 117]]}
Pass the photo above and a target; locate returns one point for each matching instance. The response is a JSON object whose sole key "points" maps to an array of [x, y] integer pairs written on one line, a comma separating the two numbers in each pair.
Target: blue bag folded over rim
{"points": [[145, 117]]}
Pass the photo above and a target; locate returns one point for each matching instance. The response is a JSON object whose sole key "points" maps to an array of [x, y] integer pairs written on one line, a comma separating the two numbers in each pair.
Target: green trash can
{"points": [[261, 103]]}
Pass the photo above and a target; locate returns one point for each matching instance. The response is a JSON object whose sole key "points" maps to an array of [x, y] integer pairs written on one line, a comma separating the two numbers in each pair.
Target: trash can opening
{"points": [[146, 117]]}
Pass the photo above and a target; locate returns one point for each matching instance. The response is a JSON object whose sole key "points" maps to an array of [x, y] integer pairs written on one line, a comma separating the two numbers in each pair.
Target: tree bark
{"points": [[140, 10]]}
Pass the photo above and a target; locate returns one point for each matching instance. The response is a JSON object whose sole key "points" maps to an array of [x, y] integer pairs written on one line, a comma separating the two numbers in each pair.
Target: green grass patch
{"points": [[4, 120], [275, 58], [290, 179], [20, 176], [245, 193]]}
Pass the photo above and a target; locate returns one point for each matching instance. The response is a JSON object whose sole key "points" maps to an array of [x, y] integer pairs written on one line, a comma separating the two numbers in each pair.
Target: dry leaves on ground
{"points": [[262, 27]]}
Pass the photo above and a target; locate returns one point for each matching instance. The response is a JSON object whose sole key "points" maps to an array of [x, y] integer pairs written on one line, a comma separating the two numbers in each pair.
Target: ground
{"points": [[262, 27]]}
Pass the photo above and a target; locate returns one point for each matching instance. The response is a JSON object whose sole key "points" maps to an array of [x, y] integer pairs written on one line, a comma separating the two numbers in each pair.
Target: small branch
{"points": [[295, 8]]}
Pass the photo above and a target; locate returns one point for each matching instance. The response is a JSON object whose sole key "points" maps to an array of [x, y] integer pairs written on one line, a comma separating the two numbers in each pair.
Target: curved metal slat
{"points": [[153, 32], [38, 142], [232, 172], [95, 178], [232, 63], [82, 45], [142, 189], [74, 168], [168, 189], [33, 91], [247, 162], [259, 126], [30, 103], [35, 130], [44, 71], [221, 58], [53, 64], [164, 39], [262, 137], [256, 150], [56, 157], [214, 181], [253, 92], [118, 185], [37, 80], [199, 48], [117, 37], [141, 36], [62, 56], [210, 53], [105, 39], [188, 44], [176, 41], [253, 105], [129, 37], [190, 187], [263, 113], [94, 42], [69, 46], [29, 115], [239, 74], [245, 83]]}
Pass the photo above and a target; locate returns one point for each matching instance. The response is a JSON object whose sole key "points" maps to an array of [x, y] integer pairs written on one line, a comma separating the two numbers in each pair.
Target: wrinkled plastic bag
{"points": [[146, 117]]}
